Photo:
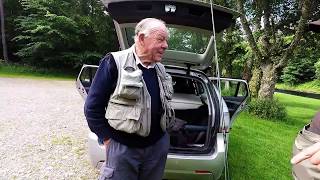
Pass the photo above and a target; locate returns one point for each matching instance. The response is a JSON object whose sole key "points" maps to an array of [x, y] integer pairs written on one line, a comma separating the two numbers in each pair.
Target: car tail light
{"points": [[202, 172]]}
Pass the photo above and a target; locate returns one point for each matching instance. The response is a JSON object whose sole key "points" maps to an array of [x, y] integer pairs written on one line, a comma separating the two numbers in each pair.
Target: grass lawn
{"points": [[261, 149], [312, 87], [20, 71]]}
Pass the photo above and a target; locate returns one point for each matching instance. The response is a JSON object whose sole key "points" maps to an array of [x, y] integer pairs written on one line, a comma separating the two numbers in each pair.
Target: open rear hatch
{"points": [[189, 22]]}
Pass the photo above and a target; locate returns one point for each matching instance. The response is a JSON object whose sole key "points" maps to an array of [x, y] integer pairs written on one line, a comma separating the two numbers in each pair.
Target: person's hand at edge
{"points": [[312, 153]]}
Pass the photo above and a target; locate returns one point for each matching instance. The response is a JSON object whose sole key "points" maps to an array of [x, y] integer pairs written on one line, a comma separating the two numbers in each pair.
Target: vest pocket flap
{"points": [[130, 84], [123, 112], [130, 92]]}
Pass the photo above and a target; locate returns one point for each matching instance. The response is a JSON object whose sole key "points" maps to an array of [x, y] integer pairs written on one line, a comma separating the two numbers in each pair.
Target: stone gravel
{"points": [[43, 132]]}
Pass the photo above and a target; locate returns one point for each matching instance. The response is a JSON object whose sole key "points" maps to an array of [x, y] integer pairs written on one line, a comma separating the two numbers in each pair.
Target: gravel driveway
{"points": [[43, 132]]}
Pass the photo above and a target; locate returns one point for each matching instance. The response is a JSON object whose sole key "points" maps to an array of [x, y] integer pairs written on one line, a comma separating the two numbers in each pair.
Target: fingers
{"points": [[306, 153], [106, 142], [315, 159]]}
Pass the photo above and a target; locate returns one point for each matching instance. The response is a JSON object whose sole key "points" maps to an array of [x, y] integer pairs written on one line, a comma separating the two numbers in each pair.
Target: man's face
{"points": [[155, 44]]}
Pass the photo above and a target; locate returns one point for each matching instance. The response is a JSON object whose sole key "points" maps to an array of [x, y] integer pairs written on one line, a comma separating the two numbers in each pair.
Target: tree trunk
{"points": [[254, 84], [3, 36], [268, 81]]}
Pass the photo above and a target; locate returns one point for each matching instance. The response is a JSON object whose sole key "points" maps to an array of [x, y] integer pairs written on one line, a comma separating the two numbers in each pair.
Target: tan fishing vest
{"points": [[129, 107]]}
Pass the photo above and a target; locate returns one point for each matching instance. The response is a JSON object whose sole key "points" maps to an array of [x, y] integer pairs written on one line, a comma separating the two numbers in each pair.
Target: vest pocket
{"points": [[124, 117], [130, 86], [167, 86]]}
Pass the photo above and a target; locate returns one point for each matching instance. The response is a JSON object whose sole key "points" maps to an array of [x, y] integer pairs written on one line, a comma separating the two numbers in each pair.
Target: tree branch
{"points": [[258, 14], [305, 12], [3, 35], [267, 26], [247, 30]]}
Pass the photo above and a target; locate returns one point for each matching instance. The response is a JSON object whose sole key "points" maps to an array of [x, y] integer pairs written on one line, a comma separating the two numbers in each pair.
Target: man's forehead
{"points": [[163, 31]]}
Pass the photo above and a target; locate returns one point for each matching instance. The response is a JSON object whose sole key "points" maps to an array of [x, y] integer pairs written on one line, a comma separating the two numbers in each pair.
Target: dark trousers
{"points": [[127, 163]]}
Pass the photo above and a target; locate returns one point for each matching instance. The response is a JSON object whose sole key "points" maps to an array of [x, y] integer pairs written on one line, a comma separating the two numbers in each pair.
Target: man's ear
{"points": [[141, 38]]}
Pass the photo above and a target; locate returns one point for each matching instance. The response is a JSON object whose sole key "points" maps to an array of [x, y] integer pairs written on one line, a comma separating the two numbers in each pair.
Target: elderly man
{"points": [[306, 162], [127, 106]]}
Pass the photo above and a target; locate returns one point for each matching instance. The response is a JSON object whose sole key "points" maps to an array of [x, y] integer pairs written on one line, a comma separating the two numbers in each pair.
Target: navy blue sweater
{"points": [[102, 88]]}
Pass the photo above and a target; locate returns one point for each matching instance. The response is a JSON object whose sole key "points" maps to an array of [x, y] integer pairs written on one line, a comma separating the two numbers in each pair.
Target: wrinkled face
{"points": [[155, 44]]}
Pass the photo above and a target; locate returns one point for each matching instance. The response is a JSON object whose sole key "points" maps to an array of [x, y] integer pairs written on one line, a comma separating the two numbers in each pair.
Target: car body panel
{"points": [[85, 79], [185, 167]]}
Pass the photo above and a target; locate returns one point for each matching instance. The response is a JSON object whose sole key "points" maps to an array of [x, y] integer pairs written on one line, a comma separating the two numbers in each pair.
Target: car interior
{"points": [[191, 111]]}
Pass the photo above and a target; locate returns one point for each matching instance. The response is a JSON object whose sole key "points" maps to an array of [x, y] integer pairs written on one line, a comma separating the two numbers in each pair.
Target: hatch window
{"points": [[181, 39]]}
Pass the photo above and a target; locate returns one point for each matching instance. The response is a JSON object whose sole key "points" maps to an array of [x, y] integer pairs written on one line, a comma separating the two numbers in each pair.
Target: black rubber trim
{"points": [[185, 14]]}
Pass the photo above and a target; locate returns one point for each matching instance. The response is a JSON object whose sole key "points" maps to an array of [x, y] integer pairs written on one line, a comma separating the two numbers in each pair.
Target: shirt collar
{"points": [[138, 61]]}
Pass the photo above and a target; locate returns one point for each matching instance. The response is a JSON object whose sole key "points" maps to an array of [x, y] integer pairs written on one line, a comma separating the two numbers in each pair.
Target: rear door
{"points": [[235, 93], [85, 78]]}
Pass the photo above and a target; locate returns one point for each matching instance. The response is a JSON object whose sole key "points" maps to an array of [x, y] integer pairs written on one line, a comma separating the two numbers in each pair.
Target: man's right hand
{"points": [[106, 143], [312, 153]]}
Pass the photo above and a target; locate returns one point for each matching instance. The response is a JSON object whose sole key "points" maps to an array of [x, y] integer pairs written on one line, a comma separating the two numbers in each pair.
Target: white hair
{"points": [[147, 25]]}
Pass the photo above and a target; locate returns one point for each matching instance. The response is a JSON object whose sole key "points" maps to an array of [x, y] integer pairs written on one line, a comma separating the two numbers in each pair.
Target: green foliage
{"points": [[298, 71], [186, 40], [268, 109], [301, 68], [317, 67], [68, 33], [232, 53]]}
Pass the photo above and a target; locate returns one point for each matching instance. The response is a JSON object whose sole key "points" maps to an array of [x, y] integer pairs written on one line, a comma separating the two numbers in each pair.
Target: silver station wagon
{"points": [[207, 106]]}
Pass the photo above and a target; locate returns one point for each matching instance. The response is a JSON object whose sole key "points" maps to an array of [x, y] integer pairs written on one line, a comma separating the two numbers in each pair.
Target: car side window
{"points": [[87, 76]]}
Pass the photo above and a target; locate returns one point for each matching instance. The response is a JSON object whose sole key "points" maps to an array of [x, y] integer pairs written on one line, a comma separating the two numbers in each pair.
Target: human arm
{"points": [[97, 100]]}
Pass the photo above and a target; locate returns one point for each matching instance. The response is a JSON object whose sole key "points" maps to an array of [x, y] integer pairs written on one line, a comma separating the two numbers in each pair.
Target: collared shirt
{"points": [[138, 61]]}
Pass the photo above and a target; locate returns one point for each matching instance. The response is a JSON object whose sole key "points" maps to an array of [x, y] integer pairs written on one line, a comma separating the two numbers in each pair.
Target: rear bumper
{"points": [[177, 166], [197, 167]]}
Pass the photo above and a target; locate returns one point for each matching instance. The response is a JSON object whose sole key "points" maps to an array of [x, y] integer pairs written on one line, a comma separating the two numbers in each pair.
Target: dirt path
{"points": [[43, 132]]}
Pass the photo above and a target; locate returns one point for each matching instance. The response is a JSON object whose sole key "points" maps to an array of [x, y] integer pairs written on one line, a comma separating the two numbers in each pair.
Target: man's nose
{"points": [[165, 45]]}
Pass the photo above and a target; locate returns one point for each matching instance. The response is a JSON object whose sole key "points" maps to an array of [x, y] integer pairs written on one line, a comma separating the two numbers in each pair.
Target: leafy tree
{"points": [[13, 9], [269, 48], [63, 32], [232, 52], [301, 66]]}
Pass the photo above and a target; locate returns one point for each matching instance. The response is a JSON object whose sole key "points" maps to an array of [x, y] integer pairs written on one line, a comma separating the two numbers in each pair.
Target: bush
{"points": [[269, 109], [317, 66], [299, 71]]}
